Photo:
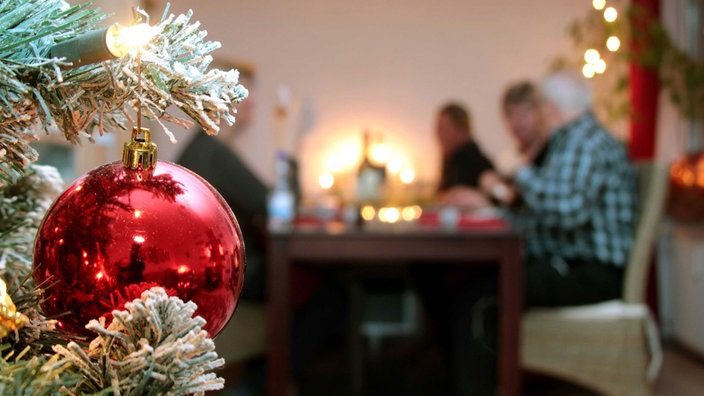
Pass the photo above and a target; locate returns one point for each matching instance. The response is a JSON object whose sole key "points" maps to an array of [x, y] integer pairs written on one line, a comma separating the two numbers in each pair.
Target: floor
{"points": [[405, 369], [682, 373]]}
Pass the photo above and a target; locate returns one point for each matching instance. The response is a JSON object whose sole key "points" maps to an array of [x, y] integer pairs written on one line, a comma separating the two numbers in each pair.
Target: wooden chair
{"points": [[611, 347]]}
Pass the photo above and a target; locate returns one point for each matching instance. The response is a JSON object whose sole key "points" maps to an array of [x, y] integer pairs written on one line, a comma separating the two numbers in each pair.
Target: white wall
{"points": [[386, 64]]}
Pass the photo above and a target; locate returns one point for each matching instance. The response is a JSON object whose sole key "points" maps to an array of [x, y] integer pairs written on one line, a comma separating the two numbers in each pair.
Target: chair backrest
{"points": [[653, 180]]}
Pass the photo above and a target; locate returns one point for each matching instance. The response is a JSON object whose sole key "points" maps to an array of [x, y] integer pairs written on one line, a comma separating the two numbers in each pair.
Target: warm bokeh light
{"points": [[688, 173], [591, 56], [138, 239], [326, 181], [395, 165], [407, 175], [610, 14], [380, 153], [588, 70], [410, 213], [343, 159], [389, 215], [333, 164], [599, 4], [600, 66], [368, 213], [613, 43], [137, 213]]}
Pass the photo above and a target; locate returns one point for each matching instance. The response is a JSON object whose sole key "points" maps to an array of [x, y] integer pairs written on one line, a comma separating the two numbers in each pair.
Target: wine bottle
{"points": [[370, 176]]}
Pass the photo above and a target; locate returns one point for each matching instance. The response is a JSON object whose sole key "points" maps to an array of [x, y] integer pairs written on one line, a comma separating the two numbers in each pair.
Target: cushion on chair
{"points": [[613, 342]]}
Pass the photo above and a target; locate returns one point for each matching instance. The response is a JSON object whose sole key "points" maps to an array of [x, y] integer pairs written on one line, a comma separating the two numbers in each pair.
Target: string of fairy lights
{"points": [[594, 62]]}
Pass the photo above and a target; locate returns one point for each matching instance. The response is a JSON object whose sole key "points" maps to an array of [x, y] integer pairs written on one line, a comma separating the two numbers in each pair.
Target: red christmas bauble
{"points": [[116, 232]]}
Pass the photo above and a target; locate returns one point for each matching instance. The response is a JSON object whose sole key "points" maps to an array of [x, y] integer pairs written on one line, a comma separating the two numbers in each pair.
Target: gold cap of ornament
{"points": [[10, 319], [139, 152]]}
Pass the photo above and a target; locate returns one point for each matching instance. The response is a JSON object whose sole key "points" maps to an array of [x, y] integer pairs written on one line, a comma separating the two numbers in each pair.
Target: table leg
{"points": [[511, 303], [278, 320], [355, 342]]}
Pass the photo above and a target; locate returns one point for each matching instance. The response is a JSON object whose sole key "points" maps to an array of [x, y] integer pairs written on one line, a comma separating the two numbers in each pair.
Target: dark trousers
{"points": [[464, 309]]}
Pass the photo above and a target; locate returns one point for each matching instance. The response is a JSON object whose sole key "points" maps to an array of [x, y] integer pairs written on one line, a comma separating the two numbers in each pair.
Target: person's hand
{"points": [[495, 187], [465, 198], [509, 163]]}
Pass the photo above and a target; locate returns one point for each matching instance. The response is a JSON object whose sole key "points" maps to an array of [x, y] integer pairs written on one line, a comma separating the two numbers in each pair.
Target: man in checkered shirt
{"points": [[579, 205], [576, 208]]}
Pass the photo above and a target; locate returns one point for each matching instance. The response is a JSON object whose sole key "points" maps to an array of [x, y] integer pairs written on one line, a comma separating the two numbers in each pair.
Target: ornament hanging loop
{"points": [[140, 152]]}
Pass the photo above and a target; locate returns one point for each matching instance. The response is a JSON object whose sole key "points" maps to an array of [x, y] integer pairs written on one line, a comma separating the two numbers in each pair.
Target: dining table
{"points": [[336, 244]]}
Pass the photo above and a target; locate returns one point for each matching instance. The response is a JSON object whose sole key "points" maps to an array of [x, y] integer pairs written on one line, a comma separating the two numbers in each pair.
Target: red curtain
{"points": [[644, 88]]}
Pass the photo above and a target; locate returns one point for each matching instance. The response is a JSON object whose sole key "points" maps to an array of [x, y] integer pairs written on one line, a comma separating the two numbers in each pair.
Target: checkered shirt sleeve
{"points": [[580, 204]]}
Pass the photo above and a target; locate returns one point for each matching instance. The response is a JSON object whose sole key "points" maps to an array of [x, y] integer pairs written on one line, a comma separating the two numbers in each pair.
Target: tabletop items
{"points": [[400, 218]]}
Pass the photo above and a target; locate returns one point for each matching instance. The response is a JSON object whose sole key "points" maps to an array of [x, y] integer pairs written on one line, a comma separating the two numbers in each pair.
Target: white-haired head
{"points": [[568, 94]]}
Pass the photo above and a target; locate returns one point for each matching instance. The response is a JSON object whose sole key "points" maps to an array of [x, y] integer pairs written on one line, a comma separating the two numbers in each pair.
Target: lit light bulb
{"points": [[610, 14], [326, 181], [591, 56], [600, 66], [588, 70], [103, 44], [120, 40], [613, 43], [599, 4]]}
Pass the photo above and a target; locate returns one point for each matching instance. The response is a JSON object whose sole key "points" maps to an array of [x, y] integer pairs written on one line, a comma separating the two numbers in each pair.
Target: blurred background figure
{"points": [[581, 202], [577, 216], [215, 159], [521, 111], [464, 165], [463, 162], [318, 299]]}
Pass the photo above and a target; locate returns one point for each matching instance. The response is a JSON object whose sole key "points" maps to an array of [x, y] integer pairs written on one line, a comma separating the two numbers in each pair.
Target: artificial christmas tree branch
{"points": [[155, 346], [36, 94]]}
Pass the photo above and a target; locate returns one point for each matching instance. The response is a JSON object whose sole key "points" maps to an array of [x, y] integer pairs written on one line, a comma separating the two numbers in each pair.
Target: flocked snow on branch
{"points": [[155, 346]]}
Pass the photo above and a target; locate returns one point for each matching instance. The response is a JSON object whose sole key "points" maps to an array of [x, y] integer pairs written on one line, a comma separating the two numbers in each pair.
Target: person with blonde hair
{"points": [[463, 161]]}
